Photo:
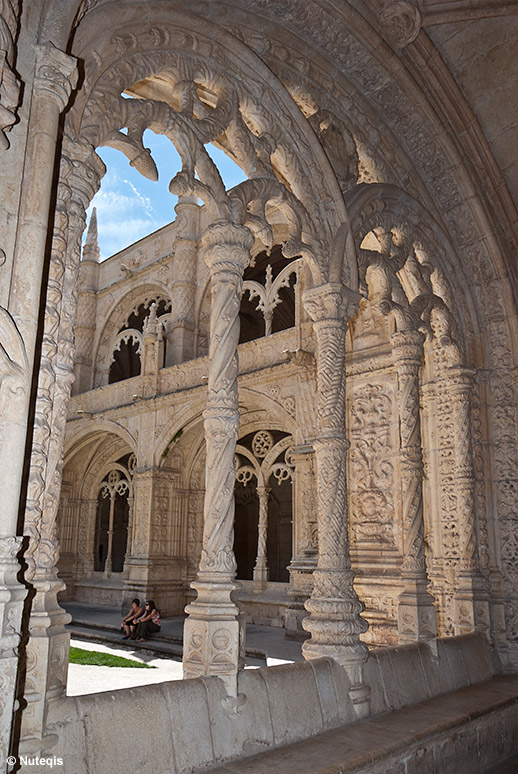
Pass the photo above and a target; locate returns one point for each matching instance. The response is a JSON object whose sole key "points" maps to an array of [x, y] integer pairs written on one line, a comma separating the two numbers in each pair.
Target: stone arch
{"points": [[120, 310], [385, 206], [91, 452], [144, 60], [89, 429]]}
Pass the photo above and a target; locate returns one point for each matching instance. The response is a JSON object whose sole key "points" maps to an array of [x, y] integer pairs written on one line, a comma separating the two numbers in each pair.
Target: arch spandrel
{"points": [[262, 128]]}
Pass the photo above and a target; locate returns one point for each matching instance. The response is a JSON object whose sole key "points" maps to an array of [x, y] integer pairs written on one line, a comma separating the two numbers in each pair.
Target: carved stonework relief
{"points": [[9, 83], [371, 463]]}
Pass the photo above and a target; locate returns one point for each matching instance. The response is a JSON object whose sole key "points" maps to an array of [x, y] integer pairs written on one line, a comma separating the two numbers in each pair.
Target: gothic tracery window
{"points": [[268, 301], [128, 346]]}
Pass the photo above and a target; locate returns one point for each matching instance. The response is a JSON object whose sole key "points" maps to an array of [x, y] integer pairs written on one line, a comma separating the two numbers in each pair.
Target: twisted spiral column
{"points": [[261, 563], [214, 636], [416, 607], [334, 623], [471, 596]]}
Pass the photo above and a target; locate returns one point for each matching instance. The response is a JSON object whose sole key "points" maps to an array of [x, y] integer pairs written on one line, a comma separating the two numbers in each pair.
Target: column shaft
{"points": [[214, 637], [261, 564], [334, 623], [471, 595], [416, 607]]}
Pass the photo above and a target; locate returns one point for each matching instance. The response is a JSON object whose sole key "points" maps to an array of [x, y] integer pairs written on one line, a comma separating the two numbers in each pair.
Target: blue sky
{"points": [[129, 206]]}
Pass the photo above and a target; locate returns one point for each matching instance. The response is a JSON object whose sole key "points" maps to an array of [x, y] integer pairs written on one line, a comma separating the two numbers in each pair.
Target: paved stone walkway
{"points": [[265, 645]]}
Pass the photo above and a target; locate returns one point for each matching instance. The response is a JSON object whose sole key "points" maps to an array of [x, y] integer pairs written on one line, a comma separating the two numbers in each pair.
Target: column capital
{"points": [[461, 378], [56, 74], [407, 345], [332, 301], [226, 247]]}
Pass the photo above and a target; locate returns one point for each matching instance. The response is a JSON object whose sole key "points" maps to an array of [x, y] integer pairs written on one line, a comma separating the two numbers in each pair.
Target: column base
{"points": [[47, 662], [417, 619], [11, 608], [214, 635], [335, 626], [260, 575], [472, 605]]}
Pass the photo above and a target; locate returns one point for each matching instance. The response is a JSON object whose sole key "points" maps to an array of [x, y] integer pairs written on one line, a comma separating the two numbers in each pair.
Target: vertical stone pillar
{"points": [[261, 563], [214, 633], [108, 563], [55, 76], [47, 649], [184, 260], [471, 595], [416, 607], [305, 531], [334, 622]]}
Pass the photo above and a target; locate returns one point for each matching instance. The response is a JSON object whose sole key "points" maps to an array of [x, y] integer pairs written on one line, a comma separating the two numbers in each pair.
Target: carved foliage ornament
{"points": [[9, 83]]}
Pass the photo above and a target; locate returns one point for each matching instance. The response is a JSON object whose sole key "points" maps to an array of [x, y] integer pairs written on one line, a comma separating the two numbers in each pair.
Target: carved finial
{"points": [[91, 251]]}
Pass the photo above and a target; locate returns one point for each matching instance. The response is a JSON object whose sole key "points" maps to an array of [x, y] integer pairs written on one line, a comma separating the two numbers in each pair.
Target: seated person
{"points": [[148, 623], [135, 612]]}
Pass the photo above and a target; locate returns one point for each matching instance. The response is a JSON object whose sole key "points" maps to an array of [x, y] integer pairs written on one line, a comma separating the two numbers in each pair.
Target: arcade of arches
{"points": [[295, 404]]}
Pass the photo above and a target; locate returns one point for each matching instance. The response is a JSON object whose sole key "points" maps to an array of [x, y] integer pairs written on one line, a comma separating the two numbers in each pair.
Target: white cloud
{"points": [[144, 200], [124, 215]]}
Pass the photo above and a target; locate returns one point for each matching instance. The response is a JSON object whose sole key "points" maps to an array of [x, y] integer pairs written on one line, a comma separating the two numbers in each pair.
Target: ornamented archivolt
{"points": [[130, 327], [201, 105]]}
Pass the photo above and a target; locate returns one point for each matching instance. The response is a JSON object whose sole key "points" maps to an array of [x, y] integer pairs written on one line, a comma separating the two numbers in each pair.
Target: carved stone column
{"points": [[471, 596], [12, 594], [214, 633], [416, 607], [55, 76], [261, 563], [334, 623], [181, 326], [47, 649], [305, 529]]}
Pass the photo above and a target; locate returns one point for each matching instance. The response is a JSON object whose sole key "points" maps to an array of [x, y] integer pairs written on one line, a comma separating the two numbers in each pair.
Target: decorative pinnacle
{"points": [[91, 250]]}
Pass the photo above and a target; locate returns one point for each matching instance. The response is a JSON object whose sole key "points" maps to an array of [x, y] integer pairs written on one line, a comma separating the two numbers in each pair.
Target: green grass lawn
{"points": [[95, 658]]}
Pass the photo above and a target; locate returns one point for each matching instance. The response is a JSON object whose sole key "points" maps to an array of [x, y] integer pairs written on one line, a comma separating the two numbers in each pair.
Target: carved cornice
{"points": [[56, 74]]}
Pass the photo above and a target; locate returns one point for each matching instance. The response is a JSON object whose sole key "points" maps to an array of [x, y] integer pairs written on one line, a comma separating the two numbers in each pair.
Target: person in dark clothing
{"points": [[148, 623], [136, 612]]}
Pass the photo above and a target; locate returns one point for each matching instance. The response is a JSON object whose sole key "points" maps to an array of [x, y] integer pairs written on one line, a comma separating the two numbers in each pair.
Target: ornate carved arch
{"points": [[181, 78]]}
